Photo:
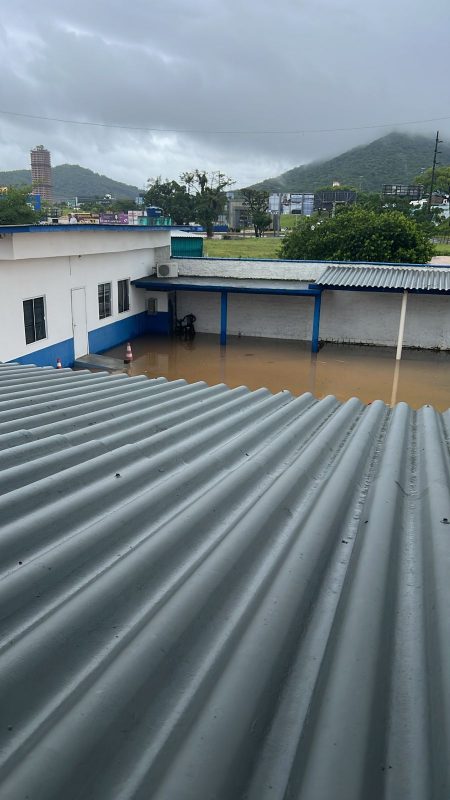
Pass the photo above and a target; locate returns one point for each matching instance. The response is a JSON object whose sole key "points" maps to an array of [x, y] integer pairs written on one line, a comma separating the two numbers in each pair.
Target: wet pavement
{"points": [[370, 373]]}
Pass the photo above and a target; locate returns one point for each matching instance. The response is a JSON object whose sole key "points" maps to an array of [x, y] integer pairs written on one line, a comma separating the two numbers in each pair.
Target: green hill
{"points": [[395, 158], [71, 180]]}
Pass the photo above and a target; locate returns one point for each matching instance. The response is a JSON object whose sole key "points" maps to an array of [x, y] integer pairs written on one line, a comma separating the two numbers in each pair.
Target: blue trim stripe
{"points": [[88, 227]]}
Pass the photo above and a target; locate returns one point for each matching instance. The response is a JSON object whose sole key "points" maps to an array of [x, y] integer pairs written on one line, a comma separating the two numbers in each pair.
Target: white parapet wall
{"points": [[264, 269]]}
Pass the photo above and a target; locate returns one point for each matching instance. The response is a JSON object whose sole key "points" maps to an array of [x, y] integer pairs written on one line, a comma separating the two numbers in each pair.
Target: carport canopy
{"points": [[226, 286]]}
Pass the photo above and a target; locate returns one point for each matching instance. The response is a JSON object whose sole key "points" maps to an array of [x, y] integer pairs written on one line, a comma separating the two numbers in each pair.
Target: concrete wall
{"points": [[270, 316], [353, 317], [373, 318]]}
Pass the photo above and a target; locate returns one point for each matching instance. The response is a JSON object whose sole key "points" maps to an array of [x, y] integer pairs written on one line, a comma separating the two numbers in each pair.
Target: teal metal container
{"points": [[189, 246]]}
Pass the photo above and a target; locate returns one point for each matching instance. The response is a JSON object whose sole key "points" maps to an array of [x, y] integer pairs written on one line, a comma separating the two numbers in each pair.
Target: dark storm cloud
{"points": [[216, 66]]}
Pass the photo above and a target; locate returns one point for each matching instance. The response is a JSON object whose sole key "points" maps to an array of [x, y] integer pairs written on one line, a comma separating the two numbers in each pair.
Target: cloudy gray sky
{"points": [[243, 78]]}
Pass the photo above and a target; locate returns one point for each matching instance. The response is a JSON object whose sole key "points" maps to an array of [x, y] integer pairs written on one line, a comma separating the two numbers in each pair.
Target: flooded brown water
{"points": [[423, 377]]}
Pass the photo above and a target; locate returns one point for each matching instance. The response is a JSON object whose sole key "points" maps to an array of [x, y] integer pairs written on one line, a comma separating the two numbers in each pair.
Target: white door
{"points": [[79, 322]]}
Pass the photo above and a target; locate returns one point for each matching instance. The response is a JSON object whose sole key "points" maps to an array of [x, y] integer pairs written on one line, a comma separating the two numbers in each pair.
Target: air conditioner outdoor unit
{"points": [[167, 271]]}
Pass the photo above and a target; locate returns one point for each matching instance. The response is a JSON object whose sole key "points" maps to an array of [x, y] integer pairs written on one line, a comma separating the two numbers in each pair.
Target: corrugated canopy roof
{"points": [[217, 593], [213, 284], [385, 277]]}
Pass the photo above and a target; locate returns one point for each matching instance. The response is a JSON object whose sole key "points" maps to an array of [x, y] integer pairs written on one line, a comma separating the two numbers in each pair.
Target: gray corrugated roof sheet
{"points": [[217, 593], [382, 277]]}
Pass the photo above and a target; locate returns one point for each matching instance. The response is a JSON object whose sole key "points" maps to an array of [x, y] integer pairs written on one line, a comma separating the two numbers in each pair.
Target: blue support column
{"points": [[223, 317], [316, 324]]}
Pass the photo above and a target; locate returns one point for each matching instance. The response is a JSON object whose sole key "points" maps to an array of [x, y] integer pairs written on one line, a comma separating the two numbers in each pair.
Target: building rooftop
{"points": [[79, 227], [178, 233], [213, 592]]}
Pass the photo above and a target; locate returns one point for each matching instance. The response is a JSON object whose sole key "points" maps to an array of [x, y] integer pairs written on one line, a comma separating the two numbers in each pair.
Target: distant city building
{"points": [[402, 190], [236, 214], [41, 172]]}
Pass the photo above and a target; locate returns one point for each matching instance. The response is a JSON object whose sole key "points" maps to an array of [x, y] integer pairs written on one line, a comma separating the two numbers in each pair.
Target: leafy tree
{"points": [[341, 188], [14, 209], [373, 201], [173, 198], [356, 234], [257, 201], [427, 220], [441, 179], [197, 197], [208, 196], [122, 204]]}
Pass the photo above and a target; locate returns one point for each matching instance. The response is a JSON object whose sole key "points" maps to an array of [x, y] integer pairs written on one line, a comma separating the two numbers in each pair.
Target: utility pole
{"points": [[433, 171]]}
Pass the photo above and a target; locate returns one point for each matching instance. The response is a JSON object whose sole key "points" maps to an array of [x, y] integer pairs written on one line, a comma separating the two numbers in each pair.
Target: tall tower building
{"points": [[41, 172]]}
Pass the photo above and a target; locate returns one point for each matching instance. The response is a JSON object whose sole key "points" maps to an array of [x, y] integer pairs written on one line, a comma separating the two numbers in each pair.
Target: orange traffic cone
{"points": [[128, 355], [58, 363]]}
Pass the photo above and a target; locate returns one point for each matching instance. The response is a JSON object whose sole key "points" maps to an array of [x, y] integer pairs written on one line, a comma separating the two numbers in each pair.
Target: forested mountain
{"points": [[395, 158], [71, 180]]}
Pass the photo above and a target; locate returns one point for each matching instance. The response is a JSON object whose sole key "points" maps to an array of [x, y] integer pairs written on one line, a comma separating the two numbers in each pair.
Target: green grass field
{"points": [[266, 247], [442, 249], [289, 220]]}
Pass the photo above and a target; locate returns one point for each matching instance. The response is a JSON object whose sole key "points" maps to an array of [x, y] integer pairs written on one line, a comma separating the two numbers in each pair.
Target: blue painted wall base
{"points": [[123, 330], [48, 355]]}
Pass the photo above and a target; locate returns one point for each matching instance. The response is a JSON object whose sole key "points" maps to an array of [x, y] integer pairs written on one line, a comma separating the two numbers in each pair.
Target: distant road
{"points": [[440, 260]]}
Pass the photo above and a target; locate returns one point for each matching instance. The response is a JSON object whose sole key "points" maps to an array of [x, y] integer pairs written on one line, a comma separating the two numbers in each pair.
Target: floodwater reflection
{"points": [[370, 373]]}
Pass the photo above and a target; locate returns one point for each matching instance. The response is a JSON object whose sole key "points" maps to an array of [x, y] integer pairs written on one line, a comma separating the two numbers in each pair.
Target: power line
{"points": [[224, 132]]}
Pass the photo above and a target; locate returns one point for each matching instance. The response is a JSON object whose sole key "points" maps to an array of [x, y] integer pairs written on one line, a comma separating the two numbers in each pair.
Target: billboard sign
{"points": [[113, 218]]}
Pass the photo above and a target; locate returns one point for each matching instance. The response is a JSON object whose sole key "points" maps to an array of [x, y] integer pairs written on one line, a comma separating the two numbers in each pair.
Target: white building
{"points": [[66, 291]]}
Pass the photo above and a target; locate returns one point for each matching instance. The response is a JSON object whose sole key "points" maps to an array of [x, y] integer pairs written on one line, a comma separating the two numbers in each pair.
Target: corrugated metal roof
{"points": [[177, 234], [381, 277], [217, 593]]}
